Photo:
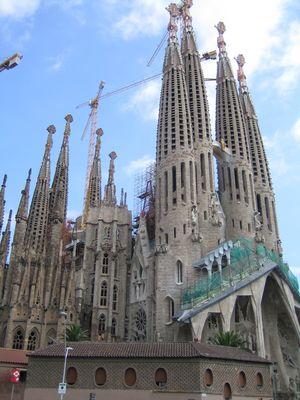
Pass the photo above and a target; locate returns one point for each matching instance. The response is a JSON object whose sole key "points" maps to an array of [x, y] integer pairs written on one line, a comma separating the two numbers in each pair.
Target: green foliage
{"points": [[229, 338], [75, 333]]}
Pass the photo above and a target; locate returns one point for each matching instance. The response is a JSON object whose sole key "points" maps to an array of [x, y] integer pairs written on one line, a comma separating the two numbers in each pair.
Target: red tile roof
{"points": [[148, 350], [16, 357]]}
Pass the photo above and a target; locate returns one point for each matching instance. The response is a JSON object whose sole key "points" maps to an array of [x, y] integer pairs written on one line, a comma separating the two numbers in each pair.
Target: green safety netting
{"points": [[246, 257]]}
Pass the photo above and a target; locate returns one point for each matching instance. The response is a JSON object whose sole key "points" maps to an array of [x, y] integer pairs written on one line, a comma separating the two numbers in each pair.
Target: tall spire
{"points": [[201, 132], [39, 209], [110, 188], [22, 212], [59, 189], [2, 201], [234, 173], [93, 196], [5, 241], [266, 220], [4, 250]]}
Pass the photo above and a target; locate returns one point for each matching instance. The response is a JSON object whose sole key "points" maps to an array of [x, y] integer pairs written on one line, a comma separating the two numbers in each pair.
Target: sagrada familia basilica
{"points": [[204, 256]]}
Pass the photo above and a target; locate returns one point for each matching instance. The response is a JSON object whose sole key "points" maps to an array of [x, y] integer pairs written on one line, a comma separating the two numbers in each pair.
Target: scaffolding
{"points": [[144, 195]]}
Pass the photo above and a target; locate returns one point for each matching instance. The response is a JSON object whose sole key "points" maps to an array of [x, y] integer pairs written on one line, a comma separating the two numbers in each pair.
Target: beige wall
{"points": [[83, 394]]}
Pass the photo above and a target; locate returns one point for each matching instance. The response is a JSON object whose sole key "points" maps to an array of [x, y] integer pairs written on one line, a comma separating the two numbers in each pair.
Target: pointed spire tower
{"points": [[266, 220], [2, 201], [4, 251], [234, 166], [38, 215], [110, 188], [13, 275], [93, 196], [59, 188], [211, 221], [177, 231]]}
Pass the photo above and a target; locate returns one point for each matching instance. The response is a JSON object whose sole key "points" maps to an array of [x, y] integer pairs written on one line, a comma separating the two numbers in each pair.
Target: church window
{"points": [[208, 377], [242, 379], [100, 376], [268, 213], [241, 225], [183, 188], [130, 377], [203, 174], [227, 392], [103, 295], [205, 215], [92, 291], [184, 229], [259, 380], [32, 340], [174, 232], [166, 191], [51, 335], [179, 272], [71, 376], [170, 309], [192, 181], [245, 187], [116, 271], [161, 378], [210, 168], [105, 264], [102, 323], [166, 238], [113, 327], [115, 298], [18, 341]]}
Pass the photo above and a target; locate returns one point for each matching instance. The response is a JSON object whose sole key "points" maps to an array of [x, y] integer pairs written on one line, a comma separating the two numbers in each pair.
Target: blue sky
{"points": [[70, 45]]}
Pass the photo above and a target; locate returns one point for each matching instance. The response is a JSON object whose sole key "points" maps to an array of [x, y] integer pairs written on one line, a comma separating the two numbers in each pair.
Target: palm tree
{"points": [[229, 338], [75, 333]]}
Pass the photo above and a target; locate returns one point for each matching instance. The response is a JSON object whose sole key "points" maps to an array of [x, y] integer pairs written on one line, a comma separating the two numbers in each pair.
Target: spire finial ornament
{"points": [[186, 15], [240, 59], [174, 11], [69, 120], [51, 131], [221, 42], [111, 172]]}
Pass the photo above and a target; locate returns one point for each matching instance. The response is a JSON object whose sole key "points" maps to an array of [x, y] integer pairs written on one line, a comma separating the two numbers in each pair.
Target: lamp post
{"points": [[67, 349], [11, 62], [62, 385]]}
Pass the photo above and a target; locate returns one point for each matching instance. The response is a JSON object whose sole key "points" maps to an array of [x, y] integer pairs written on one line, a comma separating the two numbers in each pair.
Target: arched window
{"points": [[116, 268], [161, 377], [224, 261], [179, 275], [32, 340], [92, 290], [259, 380], [107, 232], [102, 321], [51, 335], [100, 377], [242, 379], [170, 308], [215, 266], [113, 327], [71, 376], [208, 378], [103, 295], [18, 342], [227, 391], [105, 264], [115, 298], [130, 377]]}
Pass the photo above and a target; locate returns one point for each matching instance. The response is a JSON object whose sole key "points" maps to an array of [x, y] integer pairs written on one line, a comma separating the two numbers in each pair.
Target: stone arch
{"points": [[213, 325], [283, 344], [50, 337], [18, 338], [33, 340], [243, 322], [224, 261], [215, 266]]}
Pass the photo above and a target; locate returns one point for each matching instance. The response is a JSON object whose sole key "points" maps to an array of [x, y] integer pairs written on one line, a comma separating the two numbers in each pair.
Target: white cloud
{"points": [[56, 63], [296, 130], [18, 9], [145, 101], [139, 164], [296, 270]]}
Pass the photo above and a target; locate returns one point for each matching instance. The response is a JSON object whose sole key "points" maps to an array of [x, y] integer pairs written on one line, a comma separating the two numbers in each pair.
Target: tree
{"points": [[229, 338], [75, 333]]}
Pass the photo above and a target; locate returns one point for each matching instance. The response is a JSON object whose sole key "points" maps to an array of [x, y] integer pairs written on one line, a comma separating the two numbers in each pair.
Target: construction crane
{"points": [[11, 62], [92, 123]]}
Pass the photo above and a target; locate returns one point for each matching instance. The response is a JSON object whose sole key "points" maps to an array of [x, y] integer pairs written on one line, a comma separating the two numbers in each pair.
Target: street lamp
{"points": [[11, 62], [63, 386]]}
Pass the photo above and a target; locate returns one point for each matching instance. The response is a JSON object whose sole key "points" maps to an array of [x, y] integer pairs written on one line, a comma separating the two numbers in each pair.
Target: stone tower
{"points": [[4, 251], [107, 250], [266, 220], [211, 217], [2, 201], [234, 165], [177, 226]]}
